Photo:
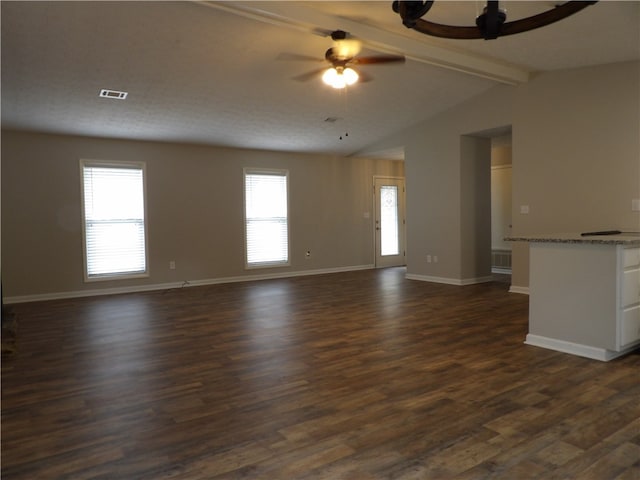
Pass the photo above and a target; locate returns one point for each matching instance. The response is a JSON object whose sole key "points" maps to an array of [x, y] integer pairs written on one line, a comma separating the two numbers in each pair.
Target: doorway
{"points": [[389, 232], [501, 193]]}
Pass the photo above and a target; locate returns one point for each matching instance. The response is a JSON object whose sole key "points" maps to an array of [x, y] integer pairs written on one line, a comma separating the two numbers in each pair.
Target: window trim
{"points": [[113, 164], [264, 171]]}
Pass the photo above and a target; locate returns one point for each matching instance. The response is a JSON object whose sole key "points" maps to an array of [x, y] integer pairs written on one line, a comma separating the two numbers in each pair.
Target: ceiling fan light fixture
{"points": [[330, 77], [340, 77], [350, 76]]}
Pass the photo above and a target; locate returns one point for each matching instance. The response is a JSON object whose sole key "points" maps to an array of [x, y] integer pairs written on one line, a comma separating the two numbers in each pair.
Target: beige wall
{"points": [[577, 158], [576, 153], [475, 207], [448, 189], [501, 224], [195, 210], [500, 154], [576, 164]]}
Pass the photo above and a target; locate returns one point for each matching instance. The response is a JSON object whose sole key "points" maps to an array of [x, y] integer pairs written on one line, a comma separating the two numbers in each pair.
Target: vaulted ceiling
{"points": [[222, 73]]}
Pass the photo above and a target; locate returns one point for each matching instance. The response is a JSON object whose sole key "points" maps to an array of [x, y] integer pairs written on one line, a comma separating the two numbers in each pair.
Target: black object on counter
{"points": [[601, 232]]}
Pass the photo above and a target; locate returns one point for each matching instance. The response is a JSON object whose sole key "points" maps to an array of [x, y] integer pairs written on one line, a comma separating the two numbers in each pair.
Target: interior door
{"points": [[389, 221]]}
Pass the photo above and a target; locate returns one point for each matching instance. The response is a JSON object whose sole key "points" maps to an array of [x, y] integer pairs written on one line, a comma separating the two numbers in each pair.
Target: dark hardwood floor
{"points": [[359, 375]]}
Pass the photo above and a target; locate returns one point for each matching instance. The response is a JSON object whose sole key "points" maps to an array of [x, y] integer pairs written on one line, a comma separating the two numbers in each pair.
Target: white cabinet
{"points": [[584, 297], [629, 297]]}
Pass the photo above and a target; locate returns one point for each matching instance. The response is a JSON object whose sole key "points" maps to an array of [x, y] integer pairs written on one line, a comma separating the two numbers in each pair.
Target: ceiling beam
{"points": [[301, 16]]}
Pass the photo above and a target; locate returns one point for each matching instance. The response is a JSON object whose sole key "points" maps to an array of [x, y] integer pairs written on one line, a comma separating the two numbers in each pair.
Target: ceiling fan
{"points": [[341, 57]]}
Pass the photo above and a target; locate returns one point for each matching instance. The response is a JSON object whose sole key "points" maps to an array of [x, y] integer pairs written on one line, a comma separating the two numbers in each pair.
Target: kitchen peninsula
{"points": [[584, 293]]}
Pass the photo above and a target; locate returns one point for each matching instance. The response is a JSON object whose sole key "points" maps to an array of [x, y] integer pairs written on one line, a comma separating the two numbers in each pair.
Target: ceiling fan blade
{"points": [[295, 57], [379, 59], [309, 75]]}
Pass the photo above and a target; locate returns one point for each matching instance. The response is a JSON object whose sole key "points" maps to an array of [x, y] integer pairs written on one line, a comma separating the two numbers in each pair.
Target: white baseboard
{"points": [[516, 289], [167, 286], [586, 351], [41, 297], [473, 281], [447, 280]]}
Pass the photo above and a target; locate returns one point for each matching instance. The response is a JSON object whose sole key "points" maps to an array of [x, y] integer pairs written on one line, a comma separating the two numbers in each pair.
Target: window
{"points": [[114, 220], [389, 239], [266, 217]]}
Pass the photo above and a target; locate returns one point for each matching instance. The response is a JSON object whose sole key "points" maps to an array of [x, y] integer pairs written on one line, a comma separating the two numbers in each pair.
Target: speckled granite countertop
{"points": [[628, 239]]}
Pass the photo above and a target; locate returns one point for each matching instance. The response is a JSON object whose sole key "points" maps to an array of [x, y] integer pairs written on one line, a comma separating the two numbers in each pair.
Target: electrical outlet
{"points": [[307, 255], [428, 258], [172, 265], [435, 259], [635, 204]]}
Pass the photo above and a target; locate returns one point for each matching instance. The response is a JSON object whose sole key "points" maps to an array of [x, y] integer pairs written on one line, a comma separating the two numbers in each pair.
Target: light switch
{"points": [[524, 209]]}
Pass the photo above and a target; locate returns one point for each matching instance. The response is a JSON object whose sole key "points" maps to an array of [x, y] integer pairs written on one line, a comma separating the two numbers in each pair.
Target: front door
{"points": [[389, 221]]}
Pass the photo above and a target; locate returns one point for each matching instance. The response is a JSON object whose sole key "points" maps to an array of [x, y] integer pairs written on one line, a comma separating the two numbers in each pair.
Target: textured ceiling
{"points": [[215, 73]]}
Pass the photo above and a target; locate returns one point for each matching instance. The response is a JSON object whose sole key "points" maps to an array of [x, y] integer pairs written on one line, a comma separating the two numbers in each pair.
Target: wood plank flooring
{"points": [[360, 375]]}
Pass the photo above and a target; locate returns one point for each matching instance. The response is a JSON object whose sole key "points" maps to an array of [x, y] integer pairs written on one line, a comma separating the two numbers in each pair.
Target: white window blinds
{"points": [[266, 218], [114, 220]]}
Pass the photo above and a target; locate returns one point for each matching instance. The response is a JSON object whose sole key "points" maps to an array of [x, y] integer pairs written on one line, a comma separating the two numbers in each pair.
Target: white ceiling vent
{"points": [[113, 94]]}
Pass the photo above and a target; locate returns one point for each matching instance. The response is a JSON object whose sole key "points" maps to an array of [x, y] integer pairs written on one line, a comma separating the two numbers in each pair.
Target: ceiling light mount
{"points": [[490, 25]]}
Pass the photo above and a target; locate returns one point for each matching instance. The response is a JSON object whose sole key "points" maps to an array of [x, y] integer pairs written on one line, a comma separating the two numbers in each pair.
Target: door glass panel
{"points": [[389, 241]]}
